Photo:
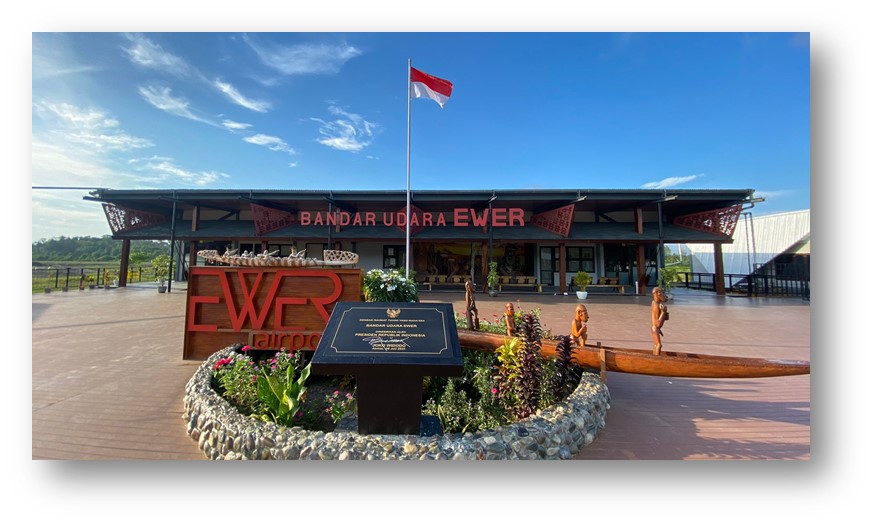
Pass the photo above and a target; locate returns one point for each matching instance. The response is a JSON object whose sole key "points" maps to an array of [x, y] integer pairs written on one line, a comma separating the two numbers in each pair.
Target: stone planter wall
{"points": [[555, 433]]}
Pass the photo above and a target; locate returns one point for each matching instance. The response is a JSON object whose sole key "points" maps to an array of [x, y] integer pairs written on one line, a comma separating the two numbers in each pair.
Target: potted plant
{"points": [[667, 276], [161, 265], [108, 278], [582, 280], [492, 278], [90, 280]]}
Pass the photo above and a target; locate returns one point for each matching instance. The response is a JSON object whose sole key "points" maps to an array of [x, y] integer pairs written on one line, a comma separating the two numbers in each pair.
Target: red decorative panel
{"points": [[125, 219], [415, 221], [269, 219], [713, 221], [557, 221]]}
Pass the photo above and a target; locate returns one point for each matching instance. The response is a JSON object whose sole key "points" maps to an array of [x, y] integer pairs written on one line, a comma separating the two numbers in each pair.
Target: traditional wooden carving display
{"points": [[557, 221], [578, 325], [125, 219], [295, 260], [415, 221], [658, 317], [269, 219], [714, 221], [471, 314]]}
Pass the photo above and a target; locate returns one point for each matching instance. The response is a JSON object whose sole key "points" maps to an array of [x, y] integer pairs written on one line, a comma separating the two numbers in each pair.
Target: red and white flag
{"points": [[423, 85]]}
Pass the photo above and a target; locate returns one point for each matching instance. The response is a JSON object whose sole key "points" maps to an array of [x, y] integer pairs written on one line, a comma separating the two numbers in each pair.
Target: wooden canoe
{"points": [[668, 364]]}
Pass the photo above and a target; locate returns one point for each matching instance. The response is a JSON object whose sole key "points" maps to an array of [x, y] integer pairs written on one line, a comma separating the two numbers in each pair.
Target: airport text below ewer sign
{"points": [[265, 307]]}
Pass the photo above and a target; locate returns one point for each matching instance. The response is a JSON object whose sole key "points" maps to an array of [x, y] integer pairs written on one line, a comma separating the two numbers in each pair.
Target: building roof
{"points": [[757, 240], [601, 202]]}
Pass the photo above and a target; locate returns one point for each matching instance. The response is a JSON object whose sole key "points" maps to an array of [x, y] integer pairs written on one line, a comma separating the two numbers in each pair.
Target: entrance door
{"points": [[549, 265]]}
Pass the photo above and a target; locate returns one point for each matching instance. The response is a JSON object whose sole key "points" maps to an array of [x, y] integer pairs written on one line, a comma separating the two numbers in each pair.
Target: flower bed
{"points": [[557, 432]]}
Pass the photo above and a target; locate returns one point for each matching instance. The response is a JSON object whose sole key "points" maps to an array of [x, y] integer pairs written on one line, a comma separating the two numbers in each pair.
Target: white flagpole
{"points": [[407, 238]]}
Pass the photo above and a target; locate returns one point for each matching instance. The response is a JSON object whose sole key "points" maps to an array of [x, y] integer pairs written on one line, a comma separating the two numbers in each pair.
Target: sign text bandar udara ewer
{"points": [[267, 308]]}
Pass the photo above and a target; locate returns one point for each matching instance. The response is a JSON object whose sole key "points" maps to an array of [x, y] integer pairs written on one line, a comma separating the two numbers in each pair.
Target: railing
{"points": [[750, 285], [67, 278]]}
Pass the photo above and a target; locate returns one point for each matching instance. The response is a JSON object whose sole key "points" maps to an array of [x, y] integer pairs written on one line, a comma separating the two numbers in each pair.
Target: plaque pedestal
{"points": [[388, 403], [390, 348]]}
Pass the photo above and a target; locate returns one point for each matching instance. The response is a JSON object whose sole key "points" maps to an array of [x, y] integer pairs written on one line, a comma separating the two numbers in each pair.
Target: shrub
{"points": [[271, 389], [391, 286]]}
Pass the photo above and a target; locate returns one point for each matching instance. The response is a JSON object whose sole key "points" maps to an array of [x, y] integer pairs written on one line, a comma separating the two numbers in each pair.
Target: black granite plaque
{"points": [[389, 348]]}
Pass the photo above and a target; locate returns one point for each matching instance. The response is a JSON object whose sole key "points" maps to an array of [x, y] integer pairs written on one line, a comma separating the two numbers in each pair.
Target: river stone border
{"points": [[557, 432]]}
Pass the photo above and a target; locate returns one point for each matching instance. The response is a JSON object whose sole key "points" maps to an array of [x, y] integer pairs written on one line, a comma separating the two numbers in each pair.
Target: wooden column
{"points": [[123, 270], [192, 255], [719, 285], [195, 218], [639, 221], [563, 286], [642, 270]]}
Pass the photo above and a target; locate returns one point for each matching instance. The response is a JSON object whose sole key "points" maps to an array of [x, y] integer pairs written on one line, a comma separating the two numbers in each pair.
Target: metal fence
{"points": [[759, 284], [46, 279]]}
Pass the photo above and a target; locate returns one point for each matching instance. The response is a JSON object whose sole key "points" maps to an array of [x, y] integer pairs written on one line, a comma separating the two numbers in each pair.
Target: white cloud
{"points": [[304, 58], [271, 143], [163, 170], [146, 53], [670, 182], [53, 56], [161, 98], [293, 164], [350, 132], [89, 127], [771, 195], [55, 213], [235, 126], [237, 98]]}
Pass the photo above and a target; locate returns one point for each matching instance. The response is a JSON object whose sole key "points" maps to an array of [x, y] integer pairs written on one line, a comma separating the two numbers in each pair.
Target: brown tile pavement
{"points": [[108, 375]]}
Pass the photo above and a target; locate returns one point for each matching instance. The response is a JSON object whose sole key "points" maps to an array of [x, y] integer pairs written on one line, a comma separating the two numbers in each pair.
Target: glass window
{"points": [[580, 258], [393, 256]]}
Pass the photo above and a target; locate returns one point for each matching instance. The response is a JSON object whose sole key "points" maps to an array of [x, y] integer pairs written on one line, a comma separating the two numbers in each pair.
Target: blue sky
{"points": [[329, 111]]}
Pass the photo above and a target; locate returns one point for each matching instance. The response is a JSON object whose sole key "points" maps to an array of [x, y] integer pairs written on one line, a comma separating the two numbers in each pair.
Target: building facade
{"points": [[544, 236]]}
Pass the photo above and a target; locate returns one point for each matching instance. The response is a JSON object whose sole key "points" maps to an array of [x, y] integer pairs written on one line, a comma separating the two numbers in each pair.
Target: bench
{"points": [[450, 280], [522, 281], [609, 282]]}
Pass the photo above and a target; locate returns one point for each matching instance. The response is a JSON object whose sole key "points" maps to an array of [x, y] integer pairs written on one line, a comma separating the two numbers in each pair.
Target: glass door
{"points": [[549, 265]]}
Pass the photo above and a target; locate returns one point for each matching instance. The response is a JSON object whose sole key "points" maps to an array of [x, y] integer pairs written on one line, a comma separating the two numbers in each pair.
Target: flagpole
{"points": [[407, 237]]}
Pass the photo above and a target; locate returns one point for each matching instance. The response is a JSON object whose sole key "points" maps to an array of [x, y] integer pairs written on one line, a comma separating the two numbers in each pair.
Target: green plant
{"points": [[667, 276], [161, 265], [391, 286], [528, 383], [337, 405], [236, 380], [582, 280], [492, 276], [284, 399], [566, 375]]}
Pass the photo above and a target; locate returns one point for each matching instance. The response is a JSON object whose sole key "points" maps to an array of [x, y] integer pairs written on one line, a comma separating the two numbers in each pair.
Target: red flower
{"points": [[222, 362], [246, 348]]}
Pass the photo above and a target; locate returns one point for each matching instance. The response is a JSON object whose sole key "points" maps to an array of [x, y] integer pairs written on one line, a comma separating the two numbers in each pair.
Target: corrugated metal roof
{"points": [[771, 236]]}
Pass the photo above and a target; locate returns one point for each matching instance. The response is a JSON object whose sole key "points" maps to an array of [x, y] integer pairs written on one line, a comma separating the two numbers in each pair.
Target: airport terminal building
{"points": [[540, 238]]}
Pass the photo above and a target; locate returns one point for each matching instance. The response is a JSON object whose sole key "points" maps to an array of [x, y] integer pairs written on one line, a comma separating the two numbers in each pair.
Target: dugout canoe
{"points": [[644, 362]]}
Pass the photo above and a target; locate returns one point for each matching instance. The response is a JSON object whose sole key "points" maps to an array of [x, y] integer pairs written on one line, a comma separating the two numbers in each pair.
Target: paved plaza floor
{"points": [[108, 374]]}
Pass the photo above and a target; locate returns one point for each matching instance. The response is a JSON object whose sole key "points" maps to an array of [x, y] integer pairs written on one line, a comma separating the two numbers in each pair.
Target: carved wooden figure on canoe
{"points": [[509, 320], [658, 317], [578, 325], [471, 307]]}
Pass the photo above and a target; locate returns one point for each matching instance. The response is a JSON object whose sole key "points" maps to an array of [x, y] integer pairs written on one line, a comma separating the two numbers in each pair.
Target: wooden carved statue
{"points": [[509, 320], [471, 307], [658, 317], [578, 325]]}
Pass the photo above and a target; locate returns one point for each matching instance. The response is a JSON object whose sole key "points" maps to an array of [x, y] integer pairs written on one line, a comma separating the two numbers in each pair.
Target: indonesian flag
{"points": [[423, 85]]}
